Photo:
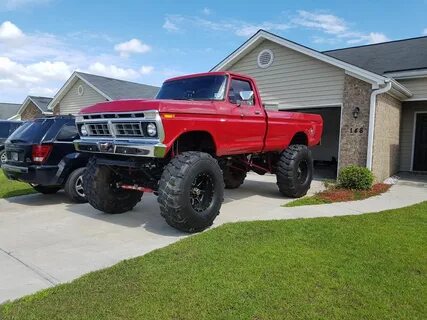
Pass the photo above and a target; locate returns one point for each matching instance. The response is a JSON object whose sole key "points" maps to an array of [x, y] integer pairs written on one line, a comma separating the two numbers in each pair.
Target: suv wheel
{"points": [[99, 183], [45, 189], [74, 186], [191, 191], [3, 157], [295, 171]]}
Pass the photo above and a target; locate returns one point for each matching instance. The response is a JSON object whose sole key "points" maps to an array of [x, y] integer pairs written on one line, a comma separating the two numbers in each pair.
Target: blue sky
{"points": [[43, 41]]}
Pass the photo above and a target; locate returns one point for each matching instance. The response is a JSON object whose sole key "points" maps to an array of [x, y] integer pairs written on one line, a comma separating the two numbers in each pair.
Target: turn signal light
{"points": [[40, 153]]}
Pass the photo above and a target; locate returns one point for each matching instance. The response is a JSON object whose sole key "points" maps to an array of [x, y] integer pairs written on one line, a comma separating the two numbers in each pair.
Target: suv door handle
{"points": [[257, 112]]}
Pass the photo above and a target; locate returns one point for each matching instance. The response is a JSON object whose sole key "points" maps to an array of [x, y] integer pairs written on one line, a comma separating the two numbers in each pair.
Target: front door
{"points": [[420, 151]]}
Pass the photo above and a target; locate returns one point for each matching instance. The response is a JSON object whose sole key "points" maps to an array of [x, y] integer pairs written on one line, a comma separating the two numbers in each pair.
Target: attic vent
{"points": [[80, 90], [265, 58]]}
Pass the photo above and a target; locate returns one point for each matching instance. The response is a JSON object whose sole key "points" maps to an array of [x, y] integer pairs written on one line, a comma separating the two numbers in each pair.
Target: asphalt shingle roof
{"points": [[120, 89], [400, 55], [8, 110], [41, 102]]}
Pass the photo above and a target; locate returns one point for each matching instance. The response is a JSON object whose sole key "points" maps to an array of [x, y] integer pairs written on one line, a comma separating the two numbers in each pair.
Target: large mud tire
{"points": [[99, 184], [191, 191], [233, 178], [295, 171]]}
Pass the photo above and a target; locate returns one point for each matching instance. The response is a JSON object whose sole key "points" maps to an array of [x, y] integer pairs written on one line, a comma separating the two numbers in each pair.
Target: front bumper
{"points": [[139, 148], [47, 175]]}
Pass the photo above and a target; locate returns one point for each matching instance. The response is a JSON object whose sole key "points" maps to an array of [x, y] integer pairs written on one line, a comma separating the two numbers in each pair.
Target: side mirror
{"points": [[246, 95]]}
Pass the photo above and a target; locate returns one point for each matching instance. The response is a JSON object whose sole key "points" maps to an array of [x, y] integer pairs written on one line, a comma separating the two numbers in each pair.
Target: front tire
{"points": [[99, 183], [191, 191], [3, 157], [295, 171], [74, 186]]}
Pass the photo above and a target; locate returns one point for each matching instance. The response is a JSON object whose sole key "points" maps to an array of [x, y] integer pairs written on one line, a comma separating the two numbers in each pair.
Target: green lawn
{"points": [[372, 266], [306, 201], [10, 188]]}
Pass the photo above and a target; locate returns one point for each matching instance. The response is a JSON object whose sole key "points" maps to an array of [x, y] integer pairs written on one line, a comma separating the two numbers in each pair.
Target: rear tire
{"points": [[233, 178], [74, 186], [102, 194], [295, 171], [46, 189], [191, 191]]}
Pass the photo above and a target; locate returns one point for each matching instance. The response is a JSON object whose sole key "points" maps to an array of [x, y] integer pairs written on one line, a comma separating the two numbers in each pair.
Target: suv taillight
{"points": [[41, 152]]}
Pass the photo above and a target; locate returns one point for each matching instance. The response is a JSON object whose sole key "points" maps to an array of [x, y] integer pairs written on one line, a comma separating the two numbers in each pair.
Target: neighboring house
{"points": [[83, 89], [373, 98], [34, 107], [9, 111]]}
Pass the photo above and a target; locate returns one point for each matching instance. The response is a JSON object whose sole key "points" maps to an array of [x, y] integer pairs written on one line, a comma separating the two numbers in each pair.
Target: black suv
{"points": [[6, 129], [41, 152]]}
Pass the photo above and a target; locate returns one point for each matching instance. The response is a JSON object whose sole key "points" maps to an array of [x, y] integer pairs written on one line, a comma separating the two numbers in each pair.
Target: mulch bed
{"points": [[340, 195]]}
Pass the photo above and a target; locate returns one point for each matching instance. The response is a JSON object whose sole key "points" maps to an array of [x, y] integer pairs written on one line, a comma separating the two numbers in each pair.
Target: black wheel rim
{"points": [[302, 171], [202, 191]]}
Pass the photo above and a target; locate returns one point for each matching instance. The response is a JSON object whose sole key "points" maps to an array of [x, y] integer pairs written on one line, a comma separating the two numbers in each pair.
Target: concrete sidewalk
{"points": [[45, 240]]}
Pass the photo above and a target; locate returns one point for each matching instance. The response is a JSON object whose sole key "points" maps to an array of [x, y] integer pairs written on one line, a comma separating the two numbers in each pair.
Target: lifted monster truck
{"points": [[201, 133]]}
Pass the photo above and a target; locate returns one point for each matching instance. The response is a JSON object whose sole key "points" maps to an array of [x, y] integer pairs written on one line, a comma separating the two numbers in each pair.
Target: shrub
{"points": [[355, 178]]}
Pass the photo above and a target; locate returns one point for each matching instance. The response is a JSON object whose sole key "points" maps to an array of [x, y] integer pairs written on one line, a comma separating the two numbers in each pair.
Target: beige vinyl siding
{"points": [[293, 79], [418, 87], [72, 102], [407, 132]]}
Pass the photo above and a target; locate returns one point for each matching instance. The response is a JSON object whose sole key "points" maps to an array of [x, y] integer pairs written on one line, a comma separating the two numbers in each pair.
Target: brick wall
{"points": [[354, 132], [387, 137]]}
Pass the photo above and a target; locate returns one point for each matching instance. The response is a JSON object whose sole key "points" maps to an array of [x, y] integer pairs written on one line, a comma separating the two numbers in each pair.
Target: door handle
{"points": [[257, 112]]}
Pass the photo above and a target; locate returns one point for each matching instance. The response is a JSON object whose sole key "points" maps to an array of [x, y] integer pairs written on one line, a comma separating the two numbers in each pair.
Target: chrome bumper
{"points": [[150, 149]]}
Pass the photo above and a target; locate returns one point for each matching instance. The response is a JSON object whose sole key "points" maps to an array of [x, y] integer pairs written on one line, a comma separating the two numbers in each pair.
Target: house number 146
{"points": [[356, 130]]}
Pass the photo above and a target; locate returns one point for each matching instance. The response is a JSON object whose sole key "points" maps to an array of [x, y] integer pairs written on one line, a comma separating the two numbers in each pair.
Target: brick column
{"points": [[354, 132]]}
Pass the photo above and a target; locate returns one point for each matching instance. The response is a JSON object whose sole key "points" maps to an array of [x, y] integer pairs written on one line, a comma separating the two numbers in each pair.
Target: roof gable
{"points": [[381, 58], [262, 34], [8, 110], [109, 88]]}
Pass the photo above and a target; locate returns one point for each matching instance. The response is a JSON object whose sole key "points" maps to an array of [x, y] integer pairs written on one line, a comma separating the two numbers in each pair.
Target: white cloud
{"points": [[325, 22], [170, 26], [336, 27], [113, 71], [16, 4], [131, 46], [9, 31], [206, 11], [237, 27], [144, 70], [425, 32]]}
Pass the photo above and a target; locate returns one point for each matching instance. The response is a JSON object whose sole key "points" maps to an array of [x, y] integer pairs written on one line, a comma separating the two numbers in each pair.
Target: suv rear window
{"points": [[31, 131], [4, 130]]}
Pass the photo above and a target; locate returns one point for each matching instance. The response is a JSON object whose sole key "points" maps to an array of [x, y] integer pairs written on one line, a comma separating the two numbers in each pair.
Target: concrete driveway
{"points": [[45, 240]]}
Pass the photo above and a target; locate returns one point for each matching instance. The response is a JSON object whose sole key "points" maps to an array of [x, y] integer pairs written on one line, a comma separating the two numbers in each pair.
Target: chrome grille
{"points": [[99, 129], [128, 129]]}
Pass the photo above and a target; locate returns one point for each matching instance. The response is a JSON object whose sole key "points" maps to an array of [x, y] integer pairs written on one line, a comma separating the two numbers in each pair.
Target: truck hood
{"points": [[175, 106]]}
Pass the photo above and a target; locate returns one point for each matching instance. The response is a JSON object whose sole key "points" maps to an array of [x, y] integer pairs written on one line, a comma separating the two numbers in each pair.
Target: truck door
{"points": [[249, 117]]}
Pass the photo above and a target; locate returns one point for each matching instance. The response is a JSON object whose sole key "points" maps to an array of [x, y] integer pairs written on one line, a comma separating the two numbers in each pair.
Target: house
{"points": [[9, 111], [373, 98], [34, 107], [84, 89]]}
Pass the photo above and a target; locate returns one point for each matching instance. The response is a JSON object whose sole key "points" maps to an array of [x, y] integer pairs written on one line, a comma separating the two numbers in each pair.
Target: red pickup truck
{"points": [[203, 132]]}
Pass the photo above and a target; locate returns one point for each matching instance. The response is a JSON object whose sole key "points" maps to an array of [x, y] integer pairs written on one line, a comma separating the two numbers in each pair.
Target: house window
{"points": [[80, 90]]}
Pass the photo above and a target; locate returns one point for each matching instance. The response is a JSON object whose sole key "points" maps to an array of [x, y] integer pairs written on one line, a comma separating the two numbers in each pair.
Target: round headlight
{"points": [[83, 130], [151, 129]]}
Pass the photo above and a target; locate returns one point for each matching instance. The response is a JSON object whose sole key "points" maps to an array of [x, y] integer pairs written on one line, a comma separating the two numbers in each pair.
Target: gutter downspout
{"points": [[372, 115]]}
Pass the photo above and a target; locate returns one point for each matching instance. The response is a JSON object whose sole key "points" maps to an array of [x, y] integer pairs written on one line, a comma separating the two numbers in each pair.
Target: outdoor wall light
{"points": [[356, 112]]}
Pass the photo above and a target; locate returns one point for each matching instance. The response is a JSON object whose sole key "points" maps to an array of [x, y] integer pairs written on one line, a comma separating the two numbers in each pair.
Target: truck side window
{"points": [[236, 87], [68, 133]]}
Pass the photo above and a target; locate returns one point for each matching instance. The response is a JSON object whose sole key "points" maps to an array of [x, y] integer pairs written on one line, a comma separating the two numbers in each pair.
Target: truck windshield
{"points": [[197, 88]]}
